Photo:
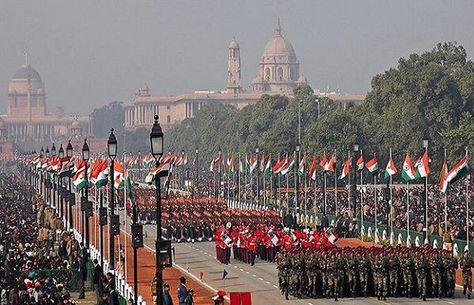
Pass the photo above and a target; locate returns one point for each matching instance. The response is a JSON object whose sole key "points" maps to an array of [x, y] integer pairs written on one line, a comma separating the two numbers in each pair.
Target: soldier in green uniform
{"points": [[284, 274], [340, 273], [421, 267], [323, 264], [407, 266], [365, 268], [394, 270], [332, 288], [352, 268], [381, 274], [312, 267], [451, 266], [436, 268], [466, 265]]}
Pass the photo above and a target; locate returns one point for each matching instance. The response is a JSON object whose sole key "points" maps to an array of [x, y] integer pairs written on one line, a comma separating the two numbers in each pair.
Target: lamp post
{"points": [[69, 152], [196, 186], [156, 143], [53, 184], [112, 152], [41, 172], [220, 173], [60, 184], [48, 187], [425, 146], [88, 208], [297, 178], [354, 185]]}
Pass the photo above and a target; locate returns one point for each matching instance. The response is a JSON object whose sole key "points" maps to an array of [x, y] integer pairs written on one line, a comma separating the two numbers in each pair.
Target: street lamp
{"points": [[72, 198], [297, 178], [53, 184], [48, 190], [61, 151], [112, 152], [60, 184], [257, 151], [354, 186], [87, 209], [156, 143]]}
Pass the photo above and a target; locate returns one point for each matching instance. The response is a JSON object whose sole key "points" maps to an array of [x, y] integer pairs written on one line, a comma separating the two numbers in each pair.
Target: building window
{"points": [[280, 73], [267, 74], [168, 107], [168, 119]]}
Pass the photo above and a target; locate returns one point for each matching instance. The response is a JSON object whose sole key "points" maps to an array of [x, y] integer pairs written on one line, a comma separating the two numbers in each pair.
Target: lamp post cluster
{"points": [[56, 189]]}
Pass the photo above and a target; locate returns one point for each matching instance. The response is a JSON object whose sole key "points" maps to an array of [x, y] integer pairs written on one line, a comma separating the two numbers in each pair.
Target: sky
{"points": [[92, 52]]}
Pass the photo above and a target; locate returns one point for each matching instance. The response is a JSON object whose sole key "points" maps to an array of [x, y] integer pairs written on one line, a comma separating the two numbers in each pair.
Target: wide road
{"points": [[261, 280]]}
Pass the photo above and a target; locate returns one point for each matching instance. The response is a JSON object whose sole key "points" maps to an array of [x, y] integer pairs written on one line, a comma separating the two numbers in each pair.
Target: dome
{"points": [[27, 72], [233, 44], [278, 46]]}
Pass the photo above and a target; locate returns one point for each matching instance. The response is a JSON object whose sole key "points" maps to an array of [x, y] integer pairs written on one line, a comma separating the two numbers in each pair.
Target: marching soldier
{"points": [[436, 268], [365, 268], [451, 266], [381, 275], [421, 267], [394, 268], [352, 266], [407, 265], [466, 265]]}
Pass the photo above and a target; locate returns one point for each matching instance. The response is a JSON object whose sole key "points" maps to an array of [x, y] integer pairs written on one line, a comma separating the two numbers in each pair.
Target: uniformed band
{"points": [[382, 272]]}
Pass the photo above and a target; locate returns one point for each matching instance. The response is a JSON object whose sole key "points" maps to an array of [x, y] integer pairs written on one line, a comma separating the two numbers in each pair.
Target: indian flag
{"points": [[312, 168], [230, 163], [79, 178], [268, 166], [372, 165], [241, 166], [253, 165], [460, 170], [408, 172], [346, 168], [323, 161], [301, 166], [279, 165], [118, 175], [98, 173], [390, 170], [288, 167], [422, 166], [329, 166], [443, 182], [162, 170], [360, 162]]}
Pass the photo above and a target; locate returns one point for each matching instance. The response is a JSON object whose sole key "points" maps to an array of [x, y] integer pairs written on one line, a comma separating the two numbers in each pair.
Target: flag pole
{"points": [[391, 204], [467, 203], [408, 213], [445, 204], [361, 201], [335, 184], [349, 193], [314, 202], [325, 195], [125, 206], [238, 178], [375, 204], [426, 201]]}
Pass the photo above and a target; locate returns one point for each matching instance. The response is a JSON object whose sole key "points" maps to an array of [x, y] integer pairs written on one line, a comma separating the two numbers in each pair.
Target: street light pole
{"points": [[354, 188], [69, 152], [112, 152], [257, 151], [156, 142], [85, 157], [426, 241]]}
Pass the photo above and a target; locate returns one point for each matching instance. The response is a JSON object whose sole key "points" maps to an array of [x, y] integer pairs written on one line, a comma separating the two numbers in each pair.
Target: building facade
{"points": [[27, 118], [278, 72]]}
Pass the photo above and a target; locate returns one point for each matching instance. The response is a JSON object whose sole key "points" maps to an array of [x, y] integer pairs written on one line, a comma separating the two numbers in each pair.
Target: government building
{"points": [[278, 72], [27, 122]]}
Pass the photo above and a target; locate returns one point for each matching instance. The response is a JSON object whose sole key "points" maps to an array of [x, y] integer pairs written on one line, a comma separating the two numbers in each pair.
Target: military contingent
{"points": [[377, 271]]}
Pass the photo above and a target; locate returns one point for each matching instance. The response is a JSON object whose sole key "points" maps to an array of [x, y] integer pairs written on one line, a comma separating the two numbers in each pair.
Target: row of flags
{"points": [[252, 164]]}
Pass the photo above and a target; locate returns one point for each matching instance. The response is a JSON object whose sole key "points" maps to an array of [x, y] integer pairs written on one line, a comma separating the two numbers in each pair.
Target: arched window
{"points": [[267, 74], [168, 119], [280, 73]]}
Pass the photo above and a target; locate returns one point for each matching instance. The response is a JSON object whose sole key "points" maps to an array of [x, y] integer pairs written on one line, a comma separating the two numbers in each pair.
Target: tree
{"points": [[107, 117]]}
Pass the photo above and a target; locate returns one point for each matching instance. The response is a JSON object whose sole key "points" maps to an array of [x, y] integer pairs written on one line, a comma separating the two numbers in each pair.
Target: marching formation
{"points": [[362, 272]]}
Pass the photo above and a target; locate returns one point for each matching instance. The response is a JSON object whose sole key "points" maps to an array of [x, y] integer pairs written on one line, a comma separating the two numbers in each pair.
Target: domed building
{"points": [[279, 69], [27, 118]]}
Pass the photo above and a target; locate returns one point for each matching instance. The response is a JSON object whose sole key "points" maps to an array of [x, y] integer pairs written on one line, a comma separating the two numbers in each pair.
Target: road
{"points": [[261, 280]]}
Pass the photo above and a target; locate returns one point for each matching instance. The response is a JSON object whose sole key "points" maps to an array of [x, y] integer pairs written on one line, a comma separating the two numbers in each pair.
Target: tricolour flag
{"points": [[360, 162], [372, 165], [329, 166], [288, 167], [253, 165], [98, 173], [408, 172], [390, 170], [323, 161], [118, 175], [279, 165], [443, 181], [79, 178], [422, 166], [268, 166], [312, 168], [346, 168], [230, 163], [130, 191], [161, 170], [460, 170], [241, 166], [301, 166]]}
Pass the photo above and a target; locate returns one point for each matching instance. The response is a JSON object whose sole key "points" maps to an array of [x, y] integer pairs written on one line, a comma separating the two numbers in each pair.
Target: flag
{"points": [[241, 166], [443, 182], [422, 166], [460, 170], [329, 166], [301, 166], [262, 164], [268, 166], [390, 170], [230, 163], [65, 170], [372, 165], [360, 162], [224, 274], [79, 179], [214, 164], [253, 165], [279, 165], [118, 175], [98, 173], [408, 172], [346, 168], [162, 170], [130, 191], [288, 167], [324, 160], [312, 168]]}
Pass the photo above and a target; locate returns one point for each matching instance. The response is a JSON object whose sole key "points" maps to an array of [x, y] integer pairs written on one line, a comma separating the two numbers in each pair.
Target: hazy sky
{"points": [[91, 52]]}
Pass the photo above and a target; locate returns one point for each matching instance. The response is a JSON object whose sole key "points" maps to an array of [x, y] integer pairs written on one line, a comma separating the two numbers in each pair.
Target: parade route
{"points": [[262, 279]]}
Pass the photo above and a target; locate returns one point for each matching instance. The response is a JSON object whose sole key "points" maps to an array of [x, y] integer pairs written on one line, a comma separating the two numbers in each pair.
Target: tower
{"points": [[233, 70]]}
